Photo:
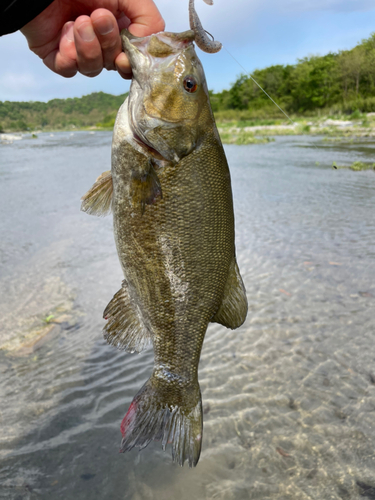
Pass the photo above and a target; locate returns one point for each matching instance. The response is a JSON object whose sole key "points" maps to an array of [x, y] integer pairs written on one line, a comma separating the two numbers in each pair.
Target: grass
{"points": [[243, 138], [357, 166], [48, 319], [361, 125]]}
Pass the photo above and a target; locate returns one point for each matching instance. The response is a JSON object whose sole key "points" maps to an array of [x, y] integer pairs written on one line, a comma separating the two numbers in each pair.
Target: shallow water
{"points": [[289, 398]]}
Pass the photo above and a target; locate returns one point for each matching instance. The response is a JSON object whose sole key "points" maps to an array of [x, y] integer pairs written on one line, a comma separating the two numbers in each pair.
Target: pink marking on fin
{"points": [[128, 418]]}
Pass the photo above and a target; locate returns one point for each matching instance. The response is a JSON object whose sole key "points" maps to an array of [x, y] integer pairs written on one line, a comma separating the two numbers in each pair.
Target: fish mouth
{"points": [[158, 45]]}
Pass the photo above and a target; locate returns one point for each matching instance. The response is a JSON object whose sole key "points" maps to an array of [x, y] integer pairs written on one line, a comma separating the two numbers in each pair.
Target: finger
{"points": [[144, 15], [89, 52], [107, 32], [123, 66], [63, 60]]}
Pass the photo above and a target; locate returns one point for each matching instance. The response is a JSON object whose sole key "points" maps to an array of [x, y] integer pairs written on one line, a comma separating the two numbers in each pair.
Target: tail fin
{"points": [[168, 413]]}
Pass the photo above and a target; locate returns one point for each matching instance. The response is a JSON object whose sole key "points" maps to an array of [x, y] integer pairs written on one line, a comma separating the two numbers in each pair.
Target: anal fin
{"points": [[125, 329], [233, 309], [98, 199]]}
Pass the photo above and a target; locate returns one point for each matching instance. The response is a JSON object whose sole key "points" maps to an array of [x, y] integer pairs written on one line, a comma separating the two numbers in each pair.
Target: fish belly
{"points": [[176, 254]]}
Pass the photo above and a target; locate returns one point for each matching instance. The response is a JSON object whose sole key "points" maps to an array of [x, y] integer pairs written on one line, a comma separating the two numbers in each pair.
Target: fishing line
{"points": [[262, 89], [251, 76], [295, 124]]}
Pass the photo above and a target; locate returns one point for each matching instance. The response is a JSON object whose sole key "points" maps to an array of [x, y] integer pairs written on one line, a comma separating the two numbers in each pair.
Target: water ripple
{"points": [[288, 398]]}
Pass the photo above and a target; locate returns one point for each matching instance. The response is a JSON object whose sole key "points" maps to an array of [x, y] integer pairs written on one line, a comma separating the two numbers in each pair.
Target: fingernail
{"points": [[86, 32], [105, 26], [70, 32]]}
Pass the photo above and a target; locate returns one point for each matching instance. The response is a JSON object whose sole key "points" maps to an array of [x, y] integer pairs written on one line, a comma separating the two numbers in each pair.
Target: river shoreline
{"points": [[243, 132]]}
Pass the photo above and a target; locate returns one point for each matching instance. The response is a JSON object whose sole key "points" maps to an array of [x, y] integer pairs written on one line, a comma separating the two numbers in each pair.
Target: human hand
{"points": [[83, 35]]}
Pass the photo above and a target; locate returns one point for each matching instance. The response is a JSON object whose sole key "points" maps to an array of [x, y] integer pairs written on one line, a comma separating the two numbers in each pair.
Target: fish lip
{"points": [[137, 48], [177, 39]]}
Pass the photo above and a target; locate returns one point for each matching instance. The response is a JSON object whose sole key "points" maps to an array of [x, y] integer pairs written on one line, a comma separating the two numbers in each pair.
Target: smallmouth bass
{"points": [[170, 193]]}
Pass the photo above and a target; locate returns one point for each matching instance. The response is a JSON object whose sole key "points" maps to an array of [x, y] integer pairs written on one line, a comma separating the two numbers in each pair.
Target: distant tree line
{"points": [[343, 81], [76, 112]]}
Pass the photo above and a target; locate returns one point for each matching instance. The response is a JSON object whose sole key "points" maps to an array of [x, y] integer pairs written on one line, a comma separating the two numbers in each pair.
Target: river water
{"points": [[289, 398]]}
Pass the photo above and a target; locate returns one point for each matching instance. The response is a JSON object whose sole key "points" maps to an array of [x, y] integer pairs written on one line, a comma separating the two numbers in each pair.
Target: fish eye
{"points": [[190, 84]]}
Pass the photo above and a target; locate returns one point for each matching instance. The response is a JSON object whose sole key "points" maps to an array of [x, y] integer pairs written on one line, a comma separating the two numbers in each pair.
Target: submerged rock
{"points": [[36, 315], [9, 138]]}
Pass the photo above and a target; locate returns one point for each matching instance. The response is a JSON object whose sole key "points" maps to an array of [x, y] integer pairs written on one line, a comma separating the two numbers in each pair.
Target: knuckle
{"points": [[67, 71], [90, 73], [109, 44], [90, 65], [68, 74]]}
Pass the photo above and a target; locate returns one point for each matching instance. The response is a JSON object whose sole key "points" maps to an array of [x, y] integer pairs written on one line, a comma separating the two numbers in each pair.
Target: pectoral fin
{"points": [[145, 188], [98, 199], [125, 328], [233, 309]]}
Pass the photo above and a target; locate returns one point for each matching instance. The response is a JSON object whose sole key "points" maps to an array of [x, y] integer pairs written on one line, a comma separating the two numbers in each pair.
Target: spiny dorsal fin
{"points": [[233, 309], [125, 329], [98, 199]]}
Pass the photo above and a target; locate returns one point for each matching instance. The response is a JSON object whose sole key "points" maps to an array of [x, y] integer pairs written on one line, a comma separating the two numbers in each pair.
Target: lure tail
{"points": [[166, 412]]}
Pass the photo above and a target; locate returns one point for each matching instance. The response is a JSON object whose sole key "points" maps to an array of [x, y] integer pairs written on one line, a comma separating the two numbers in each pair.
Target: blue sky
{"points": [[258, 33]]}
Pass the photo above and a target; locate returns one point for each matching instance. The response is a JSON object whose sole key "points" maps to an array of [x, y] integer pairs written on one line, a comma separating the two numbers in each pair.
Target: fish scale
{"points": [[204, 230]]}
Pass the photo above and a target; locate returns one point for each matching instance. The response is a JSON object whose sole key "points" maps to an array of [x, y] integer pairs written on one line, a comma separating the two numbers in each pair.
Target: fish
{"points": [[169, 190]]}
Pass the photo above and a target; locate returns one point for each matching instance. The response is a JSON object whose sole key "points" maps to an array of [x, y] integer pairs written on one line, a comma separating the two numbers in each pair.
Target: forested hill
{"points": [[336, 83], [77, 112]]}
